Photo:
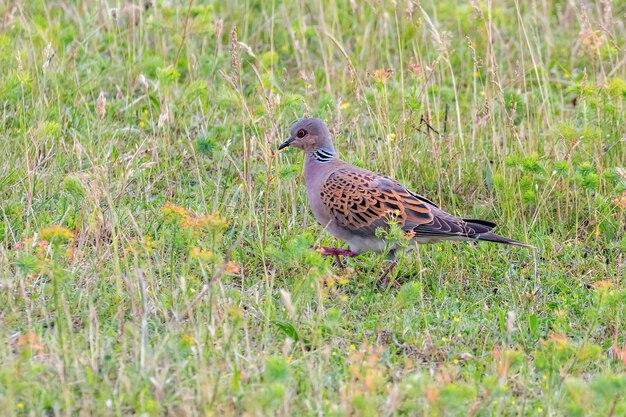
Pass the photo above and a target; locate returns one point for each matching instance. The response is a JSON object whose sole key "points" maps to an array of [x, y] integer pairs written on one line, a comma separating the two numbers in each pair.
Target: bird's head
{"points": [[309, 135]]}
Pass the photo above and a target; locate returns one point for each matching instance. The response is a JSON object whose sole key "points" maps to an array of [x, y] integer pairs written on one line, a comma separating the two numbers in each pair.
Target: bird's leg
{"points": [[384, 278], [336, 252]]}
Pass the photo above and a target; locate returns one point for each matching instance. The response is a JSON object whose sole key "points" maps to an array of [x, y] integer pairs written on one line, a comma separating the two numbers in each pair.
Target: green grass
{"points": [[155, 254]]}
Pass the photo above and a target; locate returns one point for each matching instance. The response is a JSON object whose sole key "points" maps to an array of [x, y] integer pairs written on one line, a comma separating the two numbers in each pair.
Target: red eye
{"points": [[301, 133]]}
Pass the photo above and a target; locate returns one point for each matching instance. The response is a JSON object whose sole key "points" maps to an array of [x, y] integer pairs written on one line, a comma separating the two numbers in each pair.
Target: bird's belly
{"points": [[356, 242], [360, 244]]}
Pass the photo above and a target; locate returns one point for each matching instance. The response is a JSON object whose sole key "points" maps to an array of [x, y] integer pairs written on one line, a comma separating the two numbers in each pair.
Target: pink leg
{"points": [[336, 252]]}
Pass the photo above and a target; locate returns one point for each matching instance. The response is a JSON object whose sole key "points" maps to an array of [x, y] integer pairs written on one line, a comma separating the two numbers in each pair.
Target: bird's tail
{"points": [[492, 237], [483, 227]]}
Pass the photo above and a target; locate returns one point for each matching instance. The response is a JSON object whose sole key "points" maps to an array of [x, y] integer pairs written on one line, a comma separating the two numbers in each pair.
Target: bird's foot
{"points": [[336, 252]]}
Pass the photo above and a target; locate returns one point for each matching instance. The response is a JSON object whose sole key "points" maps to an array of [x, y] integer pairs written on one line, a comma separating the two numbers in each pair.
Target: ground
{"points": [[155, 254]]}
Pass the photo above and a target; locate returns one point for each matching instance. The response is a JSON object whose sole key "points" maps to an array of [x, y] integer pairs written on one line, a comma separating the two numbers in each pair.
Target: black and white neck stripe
{"points": [[323, 154]]}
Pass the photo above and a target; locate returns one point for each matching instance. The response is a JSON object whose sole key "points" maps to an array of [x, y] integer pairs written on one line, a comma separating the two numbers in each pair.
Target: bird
{"points": [[352, 202]]}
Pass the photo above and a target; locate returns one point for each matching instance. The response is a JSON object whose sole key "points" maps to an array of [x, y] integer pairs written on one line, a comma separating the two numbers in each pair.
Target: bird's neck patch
{"points": [[323, 154]]}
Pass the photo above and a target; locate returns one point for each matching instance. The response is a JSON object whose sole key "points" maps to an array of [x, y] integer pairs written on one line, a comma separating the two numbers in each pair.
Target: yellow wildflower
{"points": [[188, 340], [203, 255], [174, 211], [59, 233], [208, 221]]}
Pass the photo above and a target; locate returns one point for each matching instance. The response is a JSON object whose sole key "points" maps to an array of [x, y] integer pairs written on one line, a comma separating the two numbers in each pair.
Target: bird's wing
{"points": [[361, 202]]}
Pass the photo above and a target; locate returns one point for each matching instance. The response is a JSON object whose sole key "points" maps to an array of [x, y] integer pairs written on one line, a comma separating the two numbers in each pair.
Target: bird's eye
{"points": [[301, 133]]}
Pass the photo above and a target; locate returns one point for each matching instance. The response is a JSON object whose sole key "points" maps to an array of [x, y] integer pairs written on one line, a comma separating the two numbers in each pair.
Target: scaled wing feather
{"points": [[362, 201]]}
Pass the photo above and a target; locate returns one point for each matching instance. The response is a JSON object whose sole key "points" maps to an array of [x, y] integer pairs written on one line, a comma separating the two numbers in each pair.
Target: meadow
{"points": [[155, 249]]}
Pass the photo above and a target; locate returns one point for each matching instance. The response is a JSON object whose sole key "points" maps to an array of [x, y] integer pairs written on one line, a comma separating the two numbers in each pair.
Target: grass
{"points": [[155, 252]]}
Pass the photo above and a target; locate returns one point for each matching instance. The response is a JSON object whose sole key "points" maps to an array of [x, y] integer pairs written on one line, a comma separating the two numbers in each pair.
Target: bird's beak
{"points": [[285, 143]]}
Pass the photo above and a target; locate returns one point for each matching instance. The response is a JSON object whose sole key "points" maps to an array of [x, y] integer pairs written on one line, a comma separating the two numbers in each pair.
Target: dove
{"points": [[352, 203]]}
